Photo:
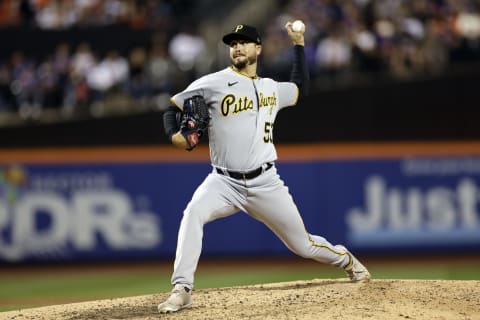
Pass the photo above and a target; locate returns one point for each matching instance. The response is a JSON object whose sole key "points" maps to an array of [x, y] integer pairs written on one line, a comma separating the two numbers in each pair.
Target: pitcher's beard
{"points": [[243, 63], [240, 64]]}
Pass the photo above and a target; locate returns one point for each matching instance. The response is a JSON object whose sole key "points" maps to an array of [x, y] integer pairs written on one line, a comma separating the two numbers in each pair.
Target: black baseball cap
{"points": [[242, 31]]}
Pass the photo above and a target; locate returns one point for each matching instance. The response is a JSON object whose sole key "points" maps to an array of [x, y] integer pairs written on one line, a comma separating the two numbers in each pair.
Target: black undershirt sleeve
{"points": [[300, 75], [170, 121]]}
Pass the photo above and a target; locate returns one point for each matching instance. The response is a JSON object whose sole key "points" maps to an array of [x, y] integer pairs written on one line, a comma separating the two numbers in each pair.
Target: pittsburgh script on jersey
{"points": [[230, 103]]}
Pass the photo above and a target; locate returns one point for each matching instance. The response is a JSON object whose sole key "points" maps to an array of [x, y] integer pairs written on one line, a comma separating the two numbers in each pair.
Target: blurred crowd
{"points": [[64, 14], [353, 40], [79, 80], [347, 42]]}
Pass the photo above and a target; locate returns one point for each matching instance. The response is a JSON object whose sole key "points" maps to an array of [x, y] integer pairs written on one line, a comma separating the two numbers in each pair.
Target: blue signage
{"points": [[133, 210], [401, 203]]}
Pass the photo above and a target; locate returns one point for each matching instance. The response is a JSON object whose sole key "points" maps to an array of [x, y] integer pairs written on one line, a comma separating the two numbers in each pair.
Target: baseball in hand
{"points": [[298, 26]]}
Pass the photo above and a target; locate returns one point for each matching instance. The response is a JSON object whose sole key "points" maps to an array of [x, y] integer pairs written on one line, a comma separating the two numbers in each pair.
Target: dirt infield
{"points": [[315, 299]]}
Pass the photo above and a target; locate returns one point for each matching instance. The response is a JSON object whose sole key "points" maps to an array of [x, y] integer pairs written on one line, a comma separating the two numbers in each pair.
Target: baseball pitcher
{"points": [[238, 108]]}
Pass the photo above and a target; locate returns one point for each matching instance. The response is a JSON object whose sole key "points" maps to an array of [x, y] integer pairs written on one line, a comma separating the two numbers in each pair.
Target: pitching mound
{"points": [[316, 299]]}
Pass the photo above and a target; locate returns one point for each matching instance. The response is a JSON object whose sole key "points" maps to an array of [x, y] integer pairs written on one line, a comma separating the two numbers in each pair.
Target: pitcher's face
{"points": [[244, 53]]}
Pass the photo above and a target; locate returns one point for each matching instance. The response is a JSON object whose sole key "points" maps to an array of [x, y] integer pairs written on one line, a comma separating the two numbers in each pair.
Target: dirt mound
{"points": [[315, 299]]}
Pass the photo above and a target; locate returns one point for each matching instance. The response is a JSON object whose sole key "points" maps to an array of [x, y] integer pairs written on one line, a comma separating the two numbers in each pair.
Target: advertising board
{"points": [[109, 209]]}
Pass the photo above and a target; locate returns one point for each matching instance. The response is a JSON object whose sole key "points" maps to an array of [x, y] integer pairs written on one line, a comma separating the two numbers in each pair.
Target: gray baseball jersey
{"points": [[243, 111]]}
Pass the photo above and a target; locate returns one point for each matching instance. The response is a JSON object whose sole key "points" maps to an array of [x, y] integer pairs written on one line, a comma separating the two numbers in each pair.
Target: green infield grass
{"points": [[27, 287]]}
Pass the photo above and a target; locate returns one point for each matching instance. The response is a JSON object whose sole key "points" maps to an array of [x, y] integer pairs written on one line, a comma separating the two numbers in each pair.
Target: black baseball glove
{"points": [[194, 120]]}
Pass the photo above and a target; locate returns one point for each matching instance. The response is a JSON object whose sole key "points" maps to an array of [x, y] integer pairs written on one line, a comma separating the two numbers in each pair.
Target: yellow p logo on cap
{"points": [[239, 27]]}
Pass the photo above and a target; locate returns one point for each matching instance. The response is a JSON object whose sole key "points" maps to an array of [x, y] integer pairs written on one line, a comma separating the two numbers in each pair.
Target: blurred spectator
{"points": [[467, 27], [162, 72], [62, 66], [116, 11], [25, 86], [188, 50], [118, 66], [333, 56], [138, 84], [49, 90], [77, 94], [48, 15], [435, 50], [106, 76], [366, 52], [83, 60]]}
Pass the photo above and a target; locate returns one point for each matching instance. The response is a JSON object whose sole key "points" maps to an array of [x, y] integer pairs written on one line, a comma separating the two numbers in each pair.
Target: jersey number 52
{"points": [[268, 137]]}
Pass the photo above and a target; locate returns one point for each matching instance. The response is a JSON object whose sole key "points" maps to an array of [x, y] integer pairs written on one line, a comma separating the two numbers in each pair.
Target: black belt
{"points": [[245, 175]]}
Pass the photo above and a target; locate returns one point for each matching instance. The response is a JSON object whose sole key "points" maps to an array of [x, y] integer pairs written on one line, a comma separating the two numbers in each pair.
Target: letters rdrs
{"points": [[47, 222]]}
